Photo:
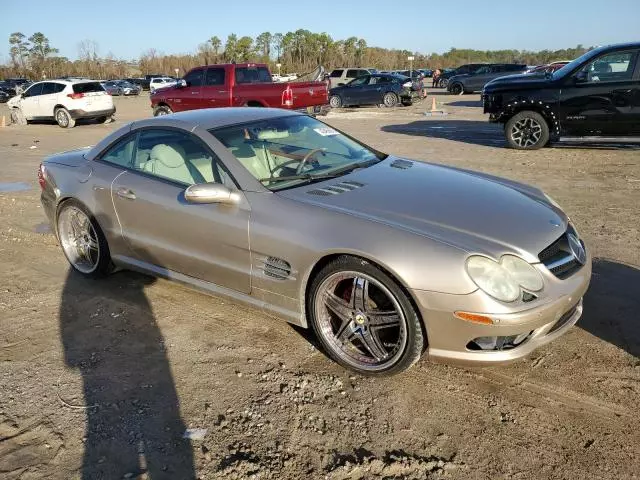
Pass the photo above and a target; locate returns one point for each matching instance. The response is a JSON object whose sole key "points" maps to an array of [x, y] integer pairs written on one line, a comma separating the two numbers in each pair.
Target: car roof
{"points": [[218, 117]]}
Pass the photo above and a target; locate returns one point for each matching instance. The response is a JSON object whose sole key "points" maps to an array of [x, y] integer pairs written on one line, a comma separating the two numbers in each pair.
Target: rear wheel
{"points": [[107, 119], [63, 118], [82, 240], [390, 99], [527, 130], [363, 319], [335, 101], [161, 110]]}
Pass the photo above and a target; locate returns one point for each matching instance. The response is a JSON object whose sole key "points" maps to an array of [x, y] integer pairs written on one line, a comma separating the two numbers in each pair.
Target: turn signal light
{"points": [[474, 317]]}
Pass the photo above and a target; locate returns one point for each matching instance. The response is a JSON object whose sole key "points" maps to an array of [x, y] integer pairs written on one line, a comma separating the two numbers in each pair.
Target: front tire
{"points": [[335, 101], [363, 318], [390, 100], [162, 110], [82, 240], [63, 118], [457, 89], [527, 130], [444, 83]]}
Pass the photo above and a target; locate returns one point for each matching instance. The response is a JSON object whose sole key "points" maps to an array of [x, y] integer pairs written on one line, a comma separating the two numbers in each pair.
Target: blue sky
{"points": [[128, 27]]}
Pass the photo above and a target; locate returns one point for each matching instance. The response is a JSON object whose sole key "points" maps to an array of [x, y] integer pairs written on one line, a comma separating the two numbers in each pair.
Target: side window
{"points": [[195, 78], [47, 88], [252, 75], [336, 73], [175, 156], [353, 73], [611, 67], [214, 76], [121, 153], [34, 90], [359, 81], [58, 87]]}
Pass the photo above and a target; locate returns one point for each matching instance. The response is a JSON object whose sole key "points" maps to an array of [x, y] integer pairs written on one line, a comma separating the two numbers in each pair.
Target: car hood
{"points": [[472, 211], [517, 82]]}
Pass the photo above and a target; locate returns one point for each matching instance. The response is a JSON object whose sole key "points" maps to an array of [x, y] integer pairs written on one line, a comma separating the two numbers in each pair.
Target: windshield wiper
{"points": [[310, 177]]}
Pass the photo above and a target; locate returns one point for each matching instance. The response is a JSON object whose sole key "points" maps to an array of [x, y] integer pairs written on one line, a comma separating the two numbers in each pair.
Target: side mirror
{"points": [[211, 193], [581, 77], [181, 83]]}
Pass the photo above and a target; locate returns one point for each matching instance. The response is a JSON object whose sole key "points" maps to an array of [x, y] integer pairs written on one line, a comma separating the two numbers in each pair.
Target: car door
{"points": [[30, 101], [48, 98], [205, 241], [477, 80], [354, 91], [190, 96], [215, 91], [598, 99]]}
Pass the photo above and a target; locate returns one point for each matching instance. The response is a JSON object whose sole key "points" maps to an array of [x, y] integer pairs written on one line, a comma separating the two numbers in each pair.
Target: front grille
{"points": [[563, 320], [558, 257]]}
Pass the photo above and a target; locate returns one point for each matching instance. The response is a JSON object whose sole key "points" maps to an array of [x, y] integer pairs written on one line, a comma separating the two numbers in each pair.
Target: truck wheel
{"points": [[161, 110], [63, 117], [335, 101], [457, 89], [527, 131], [390, 100]]}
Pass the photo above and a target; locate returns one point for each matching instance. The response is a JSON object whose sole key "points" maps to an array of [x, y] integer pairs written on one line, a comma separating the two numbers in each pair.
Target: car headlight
{"points": [[504, 280]]}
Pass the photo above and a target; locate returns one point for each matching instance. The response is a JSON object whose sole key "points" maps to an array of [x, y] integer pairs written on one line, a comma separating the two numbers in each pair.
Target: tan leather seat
{"points": [[168, 161]]}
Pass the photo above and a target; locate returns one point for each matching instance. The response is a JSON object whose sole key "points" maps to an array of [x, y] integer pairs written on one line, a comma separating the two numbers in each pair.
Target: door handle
{"points": [[126, 193]]}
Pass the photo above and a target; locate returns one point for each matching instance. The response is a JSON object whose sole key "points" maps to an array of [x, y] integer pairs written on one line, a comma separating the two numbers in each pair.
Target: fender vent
{"points": [[277, 268], [336, 189], [401, 164]]}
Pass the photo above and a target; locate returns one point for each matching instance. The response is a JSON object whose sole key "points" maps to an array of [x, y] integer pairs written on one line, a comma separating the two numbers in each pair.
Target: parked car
{"points": [[474, 82], [139, 82], [64, 101], [595, 97], [112, 88], [342, 76], [377, 89], [4, 96], [7, 88], [158, 83], [547, 68], [426, 72], [128, 88], [447, 73], [233, 85], [285, 213], [18, 84]]}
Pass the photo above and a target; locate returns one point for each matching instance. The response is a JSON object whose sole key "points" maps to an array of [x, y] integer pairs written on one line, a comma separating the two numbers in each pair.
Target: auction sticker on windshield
{"points": [[326, 132]]}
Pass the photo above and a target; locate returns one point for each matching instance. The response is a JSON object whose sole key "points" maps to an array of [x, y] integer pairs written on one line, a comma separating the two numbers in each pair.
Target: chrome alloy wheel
{"points": [[526, 132], [79, 239], [361, 320]]}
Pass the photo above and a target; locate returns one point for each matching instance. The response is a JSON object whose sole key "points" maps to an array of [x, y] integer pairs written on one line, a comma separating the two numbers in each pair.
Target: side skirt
{"points": [[209, 288]]}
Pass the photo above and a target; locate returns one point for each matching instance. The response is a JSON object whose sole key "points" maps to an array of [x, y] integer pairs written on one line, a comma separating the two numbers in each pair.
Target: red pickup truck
{"points": [[237, 85]]}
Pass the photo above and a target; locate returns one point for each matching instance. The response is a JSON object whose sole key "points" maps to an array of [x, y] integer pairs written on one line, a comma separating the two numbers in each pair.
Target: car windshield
{"points": [[289, 151], [569, 67]]}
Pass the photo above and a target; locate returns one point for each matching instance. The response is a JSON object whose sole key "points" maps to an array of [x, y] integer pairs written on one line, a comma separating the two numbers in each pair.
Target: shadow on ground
{"points": [[133, 423], [465, 103], [466, 131], [612, 305]]}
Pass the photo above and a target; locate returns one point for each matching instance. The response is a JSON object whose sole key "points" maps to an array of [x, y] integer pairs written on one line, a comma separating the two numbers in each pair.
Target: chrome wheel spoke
{"points": [[383, 319], [345, 332], [338, 306], [372, 343], [359, 294]]}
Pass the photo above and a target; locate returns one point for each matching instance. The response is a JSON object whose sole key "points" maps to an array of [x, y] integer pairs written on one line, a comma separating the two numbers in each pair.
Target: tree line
{"points": [[300, 51]]}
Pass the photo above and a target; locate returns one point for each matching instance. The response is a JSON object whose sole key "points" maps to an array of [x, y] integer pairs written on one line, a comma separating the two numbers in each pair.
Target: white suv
{"points": [[161, 82], [65, 101]]}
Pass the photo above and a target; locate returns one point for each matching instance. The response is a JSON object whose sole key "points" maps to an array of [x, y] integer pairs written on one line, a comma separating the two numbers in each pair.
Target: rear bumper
{"points": [[544, 321], [315, 110], [76, 114]]}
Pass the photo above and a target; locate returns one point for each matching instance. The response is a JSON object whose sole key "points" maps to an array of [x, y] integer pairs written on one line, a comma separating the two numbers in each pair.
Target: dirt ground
{"points": [[102, 379]]}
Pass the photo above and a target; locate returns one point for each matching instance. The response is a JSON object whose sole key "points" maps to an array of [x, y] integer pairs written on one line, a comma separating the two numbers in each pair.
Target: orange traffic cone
{"points": [[3, 122], [434, 107]]}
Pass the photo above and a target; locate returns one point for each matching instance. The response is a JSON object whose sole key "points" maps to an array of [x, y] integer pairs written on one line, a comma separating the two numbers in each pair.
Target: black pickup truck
{"points": [[594, 98]]}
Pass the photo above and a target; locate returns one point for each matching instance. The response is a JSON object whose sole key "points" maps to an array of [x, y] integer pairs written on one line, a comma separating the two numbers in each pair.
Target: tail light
{"points": [[41, 176], [75, 96], [287, 97]]}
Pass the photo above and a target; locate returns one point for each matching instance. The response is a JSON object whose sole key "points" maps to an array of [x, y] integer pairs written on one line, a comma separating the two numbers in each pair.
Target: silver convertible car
{"points": [[385, 258]]}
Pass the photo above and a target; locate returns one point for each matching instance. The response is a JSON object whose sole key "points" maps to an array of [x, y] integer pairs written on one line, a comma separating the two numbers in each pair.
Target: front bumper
{"points": [[76, 114], [546, 319]]}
